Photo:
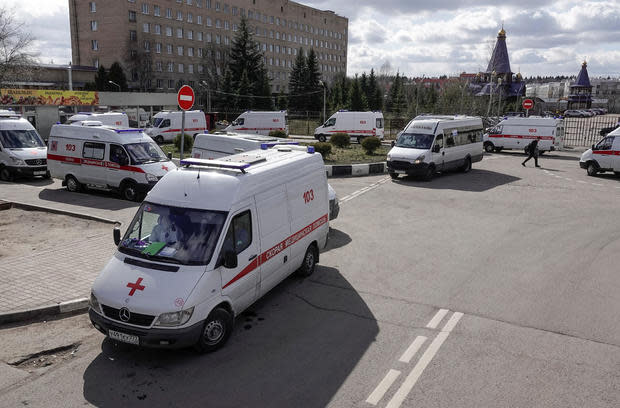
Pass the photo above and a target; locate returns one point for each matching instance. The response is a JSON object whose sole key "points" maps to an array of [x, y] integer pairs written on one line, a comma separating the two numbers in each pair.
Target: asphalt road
{"points": [[495, 288]]}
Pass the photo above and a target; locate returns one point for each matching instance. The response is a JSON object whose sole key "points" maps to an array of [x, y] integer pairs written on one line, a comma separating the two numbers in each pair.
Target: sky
{"points": [[430, 38]]}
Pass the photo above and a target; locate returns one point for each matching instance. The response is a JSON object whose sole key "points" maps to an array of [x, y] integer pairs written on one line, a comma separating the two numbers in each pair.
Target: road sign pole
{"points": [[182, 132], [527, 113]]}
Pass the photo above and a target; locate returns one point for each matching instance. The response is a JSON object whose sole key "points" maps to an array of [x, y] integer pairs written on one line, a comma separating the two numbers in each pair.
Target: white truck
{"points": [[357, 125], [91, 155], [22, 151], [210, 239], [603, 156], [518, 133], [115, 119], [259, 122], [167, 125]]}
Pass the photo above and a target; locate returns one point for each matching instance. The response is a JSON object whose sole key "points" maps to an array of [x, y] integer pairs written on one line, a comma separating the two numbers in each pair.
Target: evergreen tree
{"points": [[374, 95], [396, 101], [101, 79], [226, 99], [244, 100], [296, 83], [245, 56], [264, 101], [358, 100], [117, 75], [282, 101], [364, 84], [313, 90]]}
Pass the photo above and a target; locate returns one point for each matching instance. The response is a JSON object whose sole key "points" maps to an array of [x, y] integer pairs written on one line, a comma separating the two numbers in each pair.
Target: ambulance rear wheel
{"points": [[159, 139], [489, 147], [360, 139], [309, 263], [73, 185], [129, 192], [5, 174], [216, 330]]}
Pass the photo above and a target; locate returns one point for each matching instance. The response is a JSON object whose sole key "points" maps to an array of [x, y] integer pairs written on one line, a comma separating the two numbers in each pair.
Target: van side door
{"points": [[603, 153], [240, 282], [275, 229], [438, 152], [118, 158], [93, 170]]}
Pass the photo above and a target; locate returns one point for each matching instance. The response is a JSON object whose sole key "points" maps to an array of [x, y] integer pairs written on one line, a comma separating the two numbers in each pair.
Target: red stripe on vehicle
{"points": [[92, 162], [186, 129], [350, 131], [259, 129], [523, 137], [607, 152], [276, 249]]}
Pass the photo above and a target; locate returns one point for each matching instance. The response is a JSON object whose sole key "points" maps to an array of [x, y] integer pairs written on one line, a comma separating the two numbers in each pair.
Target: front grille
{"points": [[400, 165], [135, 318], [36, 162]]}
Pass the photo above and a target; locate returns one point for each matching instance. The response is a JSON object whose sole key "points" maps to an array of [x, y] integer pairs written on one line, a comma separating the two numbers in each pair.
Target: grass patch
{"points": [[171, 148], [354, 154]]}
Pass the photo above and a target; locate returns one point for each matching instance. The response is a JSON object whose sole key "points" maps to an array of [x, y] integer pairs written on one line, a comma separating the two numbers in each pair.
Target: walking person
{"points": [[532, 149]]}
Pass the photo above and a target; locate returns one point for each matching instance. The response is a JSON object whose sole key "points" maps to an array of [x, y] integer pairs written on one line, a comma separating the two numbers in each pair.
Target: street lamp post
{"points": [[114, 83], [324, 90]]}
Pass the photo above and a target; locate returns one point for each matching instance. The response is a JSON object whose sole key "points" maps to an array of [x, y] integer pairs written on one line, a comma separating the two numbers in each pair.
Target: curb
{"points": [[355, 170], [72, 306], [24, 206]]}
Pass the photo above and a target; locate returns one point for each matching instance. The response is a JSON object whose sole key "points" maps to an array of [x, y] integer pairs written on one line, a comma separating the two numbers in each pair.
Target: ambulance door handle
{"points": [[252, 257]]}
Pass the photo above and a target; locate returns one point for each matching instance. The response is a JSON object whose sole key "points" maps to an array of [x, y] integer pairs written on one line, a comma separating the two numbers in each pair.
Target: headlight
{"points": [[389, 156], [174, 318], [17, 162], [419, 160], [94, 303], [151, 177]]}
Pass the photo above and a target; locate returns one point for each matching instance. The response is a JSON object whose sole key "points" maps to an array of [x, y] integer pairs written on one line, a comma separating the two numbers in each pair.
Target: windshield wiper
{"points": [[163, 259]]}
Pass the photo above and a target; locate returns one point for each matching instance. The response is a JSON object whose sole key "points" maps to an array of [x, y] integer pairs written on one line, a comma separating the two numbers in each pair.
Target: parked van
{"points": [[357, 125], [436, 144], [115, 119], [210, 239], [167, 125], [102, 157], [259, 122], [22, 151], [219, 144], [604, 156], [517, 133]]}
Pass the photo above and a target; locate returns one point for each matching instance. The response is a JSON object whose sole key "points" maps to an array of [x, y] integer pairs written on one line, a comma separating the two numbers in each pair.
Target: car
{"points": [[572, 113]]}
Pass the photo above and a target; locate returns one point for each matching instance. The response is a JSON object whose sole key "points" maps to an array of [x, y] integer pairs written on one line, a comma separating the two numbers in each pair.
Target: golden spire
{"points": [[502, 32]]}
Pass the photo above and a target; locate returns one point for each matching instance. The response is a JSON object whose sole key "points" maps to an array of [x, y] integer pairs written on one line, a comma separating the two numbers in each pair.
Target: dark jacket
{"points": [[532, 147]]}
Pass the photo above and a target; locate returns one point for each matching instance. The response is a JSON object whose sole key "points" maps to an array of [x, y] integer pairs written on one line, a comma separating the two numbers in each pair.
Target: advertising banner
{"points": [[48, 97]]}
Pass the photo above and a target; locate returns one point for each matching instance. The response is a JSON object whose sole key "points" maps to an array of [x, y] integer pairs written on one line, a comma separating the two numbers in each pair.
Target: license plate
{"points": [[400, 171], [125, 338], [39, 173]]}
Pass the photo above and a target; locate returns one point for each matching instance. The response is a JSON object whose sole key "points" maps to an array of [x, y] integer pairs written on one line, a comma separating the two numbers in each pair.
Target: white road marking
{"points": [[437, 318], [568, 179], [383, 386], [363, 190], [424, 361], [596, 184], [582, 182], [413, 348]]}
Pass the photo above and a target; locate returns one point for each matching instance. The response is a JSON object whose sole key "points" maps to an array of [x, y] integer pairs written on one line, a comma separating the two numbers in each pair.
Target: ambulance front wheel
{"points": [[216, 330], [73, 185], [322, 138], [488, 147], [309, 263], [592, 170], [159, 139], [5, 174], [129, 191]]}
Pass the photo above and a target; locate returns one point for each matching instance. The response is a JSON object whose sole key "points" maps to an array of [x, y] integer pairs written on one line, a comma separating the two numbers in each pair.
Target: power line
{"points": [[256, 96]]}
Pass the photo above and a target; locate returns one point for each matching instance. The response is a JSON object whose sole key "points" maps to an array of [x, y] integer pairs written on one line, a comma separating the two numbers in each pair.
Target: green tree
{"points": [[101, 79], [296, 82], [282, 101], [117, 75], [244, 99], [263, 91], [374, 94], [358, 100], [397, 103], [227, 93], [312, 88]]}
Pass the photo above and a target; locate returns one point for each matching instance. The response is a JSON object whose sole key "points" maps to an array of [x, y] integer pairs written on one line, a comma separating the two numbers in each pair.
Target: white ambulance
{"points": [[357, 125], [115, 119], [106, 158], [259, 122], [167, 125], [220, 144], [518, 133], [22, 151], [603, 156], [436, 144], [210, 239]]}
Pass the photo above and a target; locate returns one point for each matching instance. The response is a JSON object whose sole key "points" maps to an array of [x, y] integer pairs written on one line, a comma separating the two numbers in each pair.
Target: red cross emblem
{"points": [[164, 167], [135, 286]]}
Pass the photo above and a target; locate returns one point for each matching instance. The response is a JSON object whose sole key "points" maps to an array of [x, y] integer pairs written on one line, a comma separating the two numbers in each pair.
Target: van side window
{"points": [[330, 122], [605, 144], [379, 123], [165, 123], [239, 235], [93, 150], [449, 140], [439, 141], [240, 121], [118, 155]]}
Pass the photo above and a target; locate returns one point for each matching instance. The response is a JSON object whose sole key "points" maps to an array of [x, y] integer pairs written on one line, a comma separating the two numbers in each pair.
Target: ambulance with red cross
{"points": [[357, 125], [518, 133], [167, 125], [211, 238], [91, 155]]}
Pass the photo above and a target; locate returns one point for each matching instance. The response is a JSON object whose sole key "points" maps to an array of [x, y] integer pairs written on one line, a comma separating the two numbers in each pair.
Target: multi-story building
{"points": [[180, 41]]}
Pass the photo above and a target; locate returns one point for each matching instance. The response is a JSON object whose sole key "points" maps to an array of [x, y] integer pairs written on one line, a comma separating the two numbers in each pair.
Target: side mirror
{"points": [[436, 148], [230, 259], [393, 143], [117, 234], [170, 156], [592, 147]]}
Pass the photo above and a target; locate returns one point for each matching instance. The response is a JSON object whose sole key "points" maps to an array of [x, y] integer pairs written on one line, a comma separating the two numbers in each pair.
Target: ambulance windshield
{"points": [[415, 141], [20, 139], [173, 234], [145, 152]]}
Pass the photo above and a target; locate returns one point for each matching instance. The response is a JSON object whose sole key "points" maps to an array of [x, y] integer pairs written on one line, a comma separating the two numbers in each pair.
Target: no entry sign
{"points": [[185, 97], [527, 104]]}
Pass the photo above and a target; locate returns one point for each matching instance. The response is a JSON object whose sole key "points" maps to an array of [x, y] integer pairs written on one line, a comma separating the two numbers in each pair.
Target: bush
{"points": [[340, 140], [370, 144], [280, 134], [324, 148], [187, 144]]}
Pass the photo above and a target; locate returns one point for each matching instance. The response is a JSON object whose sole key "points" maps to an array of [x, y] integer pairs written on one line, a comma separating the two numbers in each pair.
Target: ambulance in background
{"points": [[22, 151], [219, 144], [517, 133], [167, 125], [210, 239], [102, 157], [115, 119], [357, 125], [259, 122], [603, 156]]}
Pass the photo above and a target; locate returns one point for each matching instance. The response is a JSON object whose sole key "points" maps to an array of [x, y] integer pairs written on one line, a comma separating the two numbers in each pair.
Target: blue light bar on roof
{"points": [[265, 146], [128, 130], [215, 163]]}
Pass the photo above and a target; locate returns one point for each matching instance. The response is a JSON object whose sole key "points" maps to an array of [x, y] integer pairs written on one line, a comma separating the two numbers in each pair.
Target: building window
{"points": [[168, 31], [190, 68], [217, 6], [199, 34], [92, 6], [209, 22], [157, 29], [133, 36], [190, 18], [180, 50], [200, 52], [190, 35], [168, 13], [145, 8], [180, 15], [93, 26], [190, 51], [132, 16], [158, 48], [208, 4], [189, 2], [181, 68], [235, 27], [96, 63], [198, 3], [171, 83], [218, 39], [156, 11], [199, 20], [226, 25], [208, 39], [158, 66], [94, 45], [171, 67], [147, 46], [160, 83], [218, 23], [169, 48], [227, 40], [146, 27], [200, 68], [225, 8], [179, 33]]}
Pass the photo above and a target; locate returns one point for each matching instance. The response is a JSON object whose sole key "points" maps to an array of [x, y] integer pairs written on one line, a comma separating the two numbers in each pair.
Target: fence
{"points": [[583, 132]]}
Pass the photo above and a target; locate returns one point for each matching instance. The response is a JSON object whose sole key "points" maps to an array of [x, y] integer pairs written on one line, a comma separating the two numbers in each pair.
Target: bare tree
{"points": [[16, 59], [140, 64]]}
